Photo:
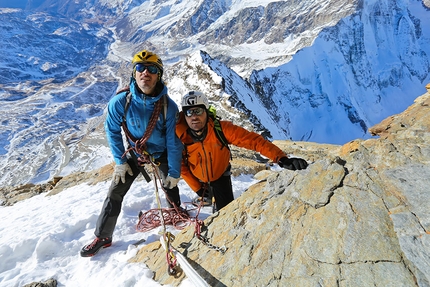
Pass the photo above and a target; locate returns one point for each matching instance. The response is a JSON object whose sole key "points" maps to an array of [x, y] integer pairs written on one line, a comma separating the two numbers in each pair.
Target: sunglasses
{"points": [[196, 111], [151, 69]]}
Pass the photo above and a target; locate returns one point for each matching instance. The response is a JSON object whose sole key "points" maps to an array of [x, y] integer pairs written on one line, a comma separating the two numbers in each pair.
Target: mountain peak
{"points": [[317, 71]]}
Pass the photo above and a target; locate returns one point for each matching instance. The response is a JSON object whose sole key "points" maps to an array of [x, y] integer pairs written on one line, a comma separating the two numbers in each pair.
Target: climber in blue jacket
{"points": [[147, 116]]}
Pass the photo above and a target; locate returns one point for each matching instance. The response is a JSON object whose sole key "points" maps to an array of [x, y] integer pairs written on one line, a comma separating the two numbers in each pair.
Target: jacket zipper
{"points": [[211, 164], [145, 124], [201, 165], [205, 162]]}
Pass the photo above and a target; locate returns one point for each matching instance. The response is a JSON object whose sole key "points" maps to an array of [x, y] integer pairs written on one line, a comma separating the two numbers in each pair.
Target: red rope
{"points": [[149, 220], [171, 262], [170, 256], [140, 144], [176, 216]]}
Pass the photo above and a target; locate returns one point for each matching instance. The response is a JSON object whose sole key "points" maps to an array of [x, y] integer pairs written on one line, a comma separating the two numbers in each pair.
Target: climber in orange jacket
{"points": [[206, 159]]}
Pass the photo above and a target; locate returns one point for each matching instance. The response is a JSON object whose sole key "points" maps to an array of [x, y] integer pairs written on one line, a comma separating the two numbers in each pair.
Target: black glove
{"points": [[292, 163]]}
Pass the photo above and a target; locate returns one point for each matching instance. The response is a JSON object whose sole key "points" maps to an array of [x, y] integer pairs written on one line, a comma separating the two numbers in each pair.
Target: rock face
{"points": [[358, 216], [48, 283]]}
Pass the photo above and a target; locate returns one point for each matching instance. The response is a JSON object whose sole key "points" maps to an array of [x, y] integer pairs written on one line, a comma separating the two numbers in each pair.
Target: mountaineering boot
{"points": [[172, 197], [207, 201], [92, 248]]}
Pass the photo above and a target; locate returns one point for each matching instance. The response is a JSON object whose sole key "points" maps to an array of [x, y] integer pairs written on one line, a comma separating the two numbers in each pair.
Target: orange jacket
{"points": [[206, 161]]}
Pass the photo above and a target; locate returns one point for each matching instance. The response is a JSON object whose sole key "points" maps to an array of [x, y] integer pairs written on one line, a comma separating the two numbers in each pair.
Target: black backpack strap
{"points": [[128, 100], [218, 128], [220, 134]]}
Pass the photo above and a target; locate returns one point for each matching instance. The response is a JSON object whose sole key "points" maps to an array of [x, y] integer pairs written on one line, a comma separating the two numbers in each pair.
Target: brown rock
{"points": [[358, 216]]}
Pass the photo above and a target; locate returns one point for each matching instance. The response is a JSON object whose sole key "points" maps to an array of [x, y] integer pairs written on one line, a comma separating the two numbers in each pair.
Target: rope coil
{"points": [[151, 219], [177, 217]]}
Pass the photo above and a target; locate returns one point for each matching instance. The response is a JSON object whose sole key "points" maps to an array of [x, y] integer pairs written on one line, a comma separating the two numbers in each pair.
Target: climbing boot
{"points": [[94, 247]]}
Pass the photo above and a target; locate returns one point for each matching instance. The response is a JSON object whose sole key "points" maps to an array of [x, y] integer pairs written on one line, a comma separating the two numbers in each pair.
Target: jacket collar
{"points": [[160, 90]]}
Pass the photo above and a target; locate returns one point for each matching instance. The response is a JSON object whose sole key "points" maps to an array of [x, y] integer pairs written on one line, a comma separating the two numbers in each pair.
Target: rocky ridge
{"points": [[358, 216]]}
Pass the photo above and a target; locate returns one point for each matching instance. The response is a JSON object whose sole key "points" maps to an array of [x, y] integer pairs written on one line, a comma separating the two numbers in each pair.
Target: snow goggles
{"points": [[194, 111], [151, 69]]}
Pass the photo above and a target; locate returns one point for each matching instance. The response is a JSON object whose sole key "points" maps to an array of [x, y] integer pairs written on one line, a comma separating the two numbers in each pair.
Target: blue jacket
{"points": [[138, 115]]}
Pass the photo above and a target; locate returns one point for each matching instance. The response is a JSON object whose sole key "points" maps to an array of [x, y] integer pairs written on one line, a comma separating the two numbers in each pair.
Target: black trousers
{"points": [[113, 203], [222, 190]]}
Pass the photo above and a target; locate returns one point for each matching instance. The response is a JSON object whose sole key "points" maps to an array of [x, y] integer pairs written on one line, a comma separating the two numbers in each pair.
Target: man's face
{"points": [[196, 118], [145, 77]]}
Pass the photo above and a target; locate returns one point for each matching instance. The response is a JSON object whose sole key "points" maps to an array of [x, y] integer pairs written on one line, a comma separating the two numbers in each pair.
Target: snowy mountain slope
{"points": [[40, 131], [243, 34], [358, 61], [39, 46], [49, 91], [242, 96], [335, 97], [365, 68], [224, 92]]}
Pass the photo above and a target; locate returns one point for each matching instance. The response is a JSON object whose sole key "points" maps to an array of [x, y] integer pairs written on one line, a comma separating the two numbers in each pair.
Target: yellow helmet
{"points": [[145, 56]]}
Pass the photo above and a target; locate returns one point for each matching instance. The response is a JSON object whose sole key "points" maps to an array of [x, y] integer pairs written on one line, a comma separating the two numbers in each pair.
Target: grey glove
{"points": [[292, 163], [170, 182], [120, 171]]}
